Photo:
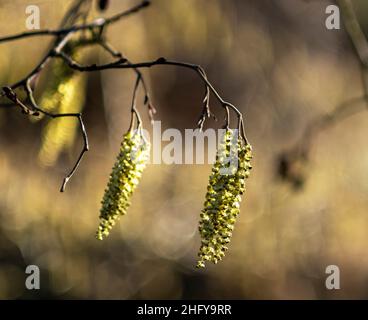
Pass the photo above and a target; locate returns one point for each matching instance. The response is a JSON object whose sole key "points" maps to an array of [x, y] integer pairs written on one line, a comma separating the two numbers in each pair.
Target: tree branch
{"points": [[98, 23], [96, 29], [301, 149]]}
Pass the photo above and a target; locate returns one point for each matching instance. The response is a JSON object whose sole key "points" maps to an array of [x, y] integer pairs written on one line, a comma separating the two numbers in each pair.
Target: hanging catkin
{"points": [[224, 192], [125, 176], [65, 93]]}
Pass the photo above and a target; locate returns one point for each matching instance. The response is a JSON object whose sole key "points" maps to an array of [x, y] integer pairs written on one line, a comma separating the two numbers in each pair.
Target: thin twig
{"points": [[116, 54], [96, 28], [98, 23], [148, 64]]}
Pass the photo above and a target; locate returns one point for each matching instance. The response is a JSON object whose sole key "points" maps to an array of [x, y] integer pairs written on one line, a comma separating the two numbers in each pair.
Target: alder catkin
{"points": [[65, 93], [224, 192], [125, 176]]}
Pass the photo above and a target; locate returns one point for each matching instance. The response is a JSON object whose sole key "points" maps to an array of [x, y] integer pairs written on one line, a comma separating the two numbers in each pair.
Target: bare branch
{"points": [[147, 100], [160, 61], [98, 23], [96, 29]]}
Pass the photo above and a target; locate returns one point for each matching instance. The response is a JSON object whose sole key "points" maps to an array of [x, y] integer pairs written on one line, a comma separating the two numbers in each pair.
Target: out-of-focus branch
{"points": [[299, 153], [357, 37], [354, 30]]}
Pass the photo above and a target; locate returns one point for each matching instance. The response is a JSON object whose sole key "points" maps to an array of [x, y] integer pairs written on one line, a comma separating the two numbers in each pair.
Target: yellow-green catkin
{"points": [[65, 93], [125, 176], [224, 192]]}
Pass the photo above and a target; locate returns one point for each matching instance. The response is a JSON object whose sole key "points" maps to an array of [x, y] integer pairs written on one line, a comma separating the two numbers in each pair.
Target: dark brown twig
{"points": [[160, 61], [96, 30], [98, 23]]}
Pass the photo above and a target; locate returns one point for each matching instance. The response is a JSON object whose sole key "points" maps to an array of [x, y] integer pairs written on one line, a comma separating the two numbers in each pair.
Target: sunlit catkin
{"points": [[224, 192], [65, 93], [125, 176]]}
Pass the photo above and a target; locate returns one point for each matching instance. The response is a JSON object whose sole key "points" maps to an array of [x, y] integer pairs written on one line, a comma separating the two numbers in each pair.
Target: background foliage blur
{"points": [[279, 64]]}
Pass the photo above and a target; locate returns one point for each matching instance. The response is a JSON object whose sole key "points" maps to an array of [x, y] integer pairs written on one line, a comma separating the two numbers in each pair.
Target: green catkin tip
{"points": [[125, 176], [222, 203]]}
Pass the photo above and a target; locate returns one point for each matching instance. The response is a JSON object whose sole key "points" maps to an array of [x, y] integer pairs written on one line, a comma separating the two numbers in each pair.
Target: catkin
{"points": [[65, 93], [125, 176], [224, 192]]}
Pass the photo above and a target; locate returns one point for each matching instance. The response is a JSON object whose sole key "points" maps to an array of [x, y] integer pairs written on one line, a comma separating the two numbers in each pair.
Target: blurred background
{"points": [[279, 64]]}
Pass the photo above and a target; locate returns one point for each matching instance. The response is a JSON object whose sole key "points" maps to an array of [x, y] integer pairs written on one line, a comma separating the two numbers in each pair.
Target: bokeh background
{"points": [[279, 64]]}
